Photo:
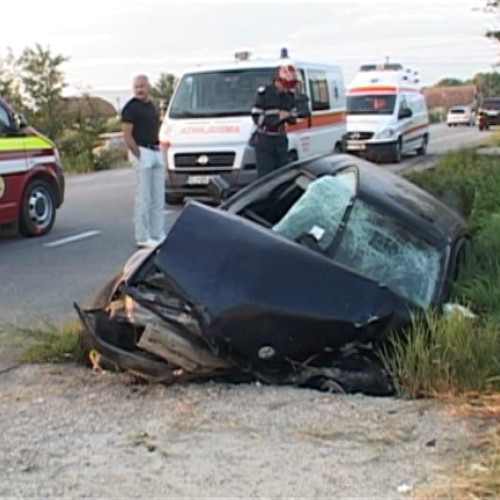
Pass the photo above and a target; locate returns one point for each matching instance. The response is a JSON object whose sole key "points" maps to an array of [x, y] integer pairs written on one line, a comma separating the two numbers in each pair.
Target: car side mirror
{"points": [[302, 104], [21, 119], [405, 113], [218, 188], [19, 122]]}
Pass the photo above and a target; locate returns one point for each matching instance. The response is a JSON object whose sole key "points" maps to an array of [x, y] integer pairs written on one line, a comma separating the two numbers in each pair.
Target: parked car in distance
{"points": [[489, 113], [293, 280], [461, 115]]}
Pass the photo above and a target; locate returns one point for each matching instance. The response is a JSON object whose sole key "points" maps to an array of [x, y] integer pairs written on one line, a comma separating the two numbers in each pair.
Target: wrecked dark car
{"points": [[296, 280]]}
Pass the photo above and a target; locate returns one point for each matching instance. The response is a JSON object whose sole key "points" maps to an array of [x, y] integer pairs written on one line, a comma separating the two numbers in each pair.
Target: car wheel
{"points": [[449, 124], [174, 199], [38, 209], [422, 150], [338, 148]]}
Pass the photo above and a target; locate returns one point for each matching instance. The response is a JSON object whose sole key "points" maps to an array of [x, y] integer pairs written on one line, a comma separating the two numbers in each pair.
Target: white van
{"points": [[208, 124], [387, 114]]}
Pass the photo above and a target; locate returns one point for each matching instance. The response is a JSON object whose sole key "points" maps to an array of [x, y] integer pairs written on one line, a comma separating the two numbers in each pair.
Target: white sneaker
{"points": [[149, 243]]}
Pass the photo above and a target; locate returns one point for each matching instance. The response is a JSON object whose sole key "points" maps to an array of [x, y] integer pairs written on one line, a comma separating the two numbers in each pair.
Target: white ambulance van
{"points": [[207, 126], [387, 114]]}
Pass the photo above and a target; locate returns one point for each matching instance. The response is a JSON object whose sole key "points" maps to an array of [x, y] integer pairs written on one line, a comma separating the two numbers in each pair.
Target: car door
{"points": [[13, 166]]}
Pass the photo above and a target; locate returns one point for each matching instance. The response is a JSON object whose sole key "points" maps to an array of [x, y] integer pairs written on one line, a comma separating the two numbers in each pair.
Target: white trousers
{"points": [[149, 194]]}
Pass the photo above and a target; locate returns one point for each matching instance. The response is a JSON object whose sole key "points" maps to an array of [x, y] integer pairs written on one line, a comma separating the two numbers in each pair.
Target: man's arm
{"points": [[129, 139]]}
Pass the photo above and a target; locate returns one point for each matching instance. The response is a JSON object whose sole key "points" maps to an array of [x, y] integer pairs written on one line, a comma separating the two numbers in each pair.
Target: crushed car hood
{"points": [[265, 298]]}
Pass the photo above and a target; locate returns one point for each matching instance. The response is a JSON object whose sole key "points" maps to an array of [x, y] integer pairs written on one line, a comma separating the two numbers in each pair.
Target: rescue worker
{"points": [[274, 107]]}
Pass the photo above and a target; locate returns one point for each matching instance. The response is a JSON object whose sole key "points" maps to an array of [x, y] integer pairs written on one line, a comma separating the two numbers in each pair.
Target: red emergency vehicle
{"points": [[31, 176]]}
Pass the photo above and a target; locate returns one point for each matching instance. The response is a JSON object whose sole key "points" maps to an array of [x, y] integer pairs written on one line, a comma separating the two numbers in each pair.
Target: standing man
{"points": [[141, 124], [274, 107]]}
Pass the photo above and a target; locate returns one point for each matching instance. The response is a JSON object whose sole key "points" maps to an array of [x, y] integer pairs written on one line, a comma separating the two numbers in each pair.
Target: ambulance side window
{"points": [[320, 99], [5, 124]]}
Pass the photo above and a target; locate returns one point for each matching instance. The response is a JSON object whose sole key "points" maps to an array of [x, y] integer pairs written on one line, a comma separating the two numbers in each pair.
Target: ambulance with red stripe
{"points": [[31, 176], [387, 115], [207, 127]]}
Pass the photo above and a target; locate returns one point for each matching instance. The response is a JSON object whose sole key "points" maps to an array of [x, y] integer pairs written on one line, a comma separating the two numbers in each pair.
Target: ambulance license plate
{"points": [[356, 147], [198, 180]]}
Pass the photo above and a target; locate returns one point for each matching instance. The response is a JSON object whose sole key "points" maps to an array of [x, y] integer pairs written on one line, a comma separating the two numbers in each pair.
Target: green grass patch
{"points": [[466, 181], [444, 355], [50, 342], [493, 139], [439, 355]]}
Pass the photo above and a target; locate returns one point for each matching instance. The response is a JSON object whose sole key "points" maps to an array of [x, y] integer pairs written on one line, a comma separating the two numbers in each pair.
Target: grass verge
{"points": [[49, 342], [443, 357]]}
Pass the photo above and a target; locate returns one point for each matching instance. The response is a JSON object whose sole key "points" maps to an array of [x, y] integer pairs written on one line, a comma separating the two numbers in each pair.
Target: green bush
{"points": [[437, 115], [80, 154]]}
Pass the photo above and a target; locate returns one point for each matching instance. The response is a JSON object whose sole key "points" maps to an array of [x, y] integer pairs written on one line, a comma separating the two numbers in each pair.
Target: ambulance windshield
{"points": [[218, 93], [367, 104]]}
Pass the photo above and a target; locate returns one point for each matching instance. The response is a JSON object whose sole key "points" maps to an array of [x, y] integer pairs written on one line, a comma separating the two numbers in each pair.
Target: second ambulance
{"points": [[387, 114]]}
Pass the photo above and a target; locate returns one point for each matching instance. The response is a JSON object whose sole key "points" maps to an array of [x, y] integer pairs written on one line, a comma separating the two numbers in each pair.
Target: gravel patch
{"points": [[71, 432]]}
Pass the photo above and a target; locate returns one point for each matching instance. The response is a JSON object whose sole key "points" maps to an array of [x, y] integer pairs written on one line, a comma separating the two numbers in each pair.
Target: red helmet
{"points": [[288, 76]]}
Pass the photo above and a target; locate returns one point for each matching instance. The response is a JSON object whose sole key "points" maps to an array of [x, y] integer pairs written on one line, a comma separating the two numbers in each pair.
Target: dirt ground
{"points": [[69, 432]]}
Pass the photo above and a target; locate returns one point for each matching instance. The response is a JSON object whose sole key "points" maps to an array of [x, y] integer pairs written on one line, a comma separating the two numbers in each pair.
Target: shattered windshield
{"points": [[320, 210], [370, 242], [379, 247]]}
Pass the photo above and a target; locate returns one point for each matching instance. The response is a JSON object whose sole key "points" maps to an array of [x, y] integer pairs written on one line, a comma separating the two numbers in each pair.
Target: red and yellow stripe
{"points": [[319, 120]]}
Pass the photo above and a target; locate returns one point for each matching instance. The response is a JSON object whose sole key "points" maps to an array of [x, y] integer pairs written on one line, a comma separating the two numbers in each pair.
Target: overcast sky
{"points": [[108, 41]]}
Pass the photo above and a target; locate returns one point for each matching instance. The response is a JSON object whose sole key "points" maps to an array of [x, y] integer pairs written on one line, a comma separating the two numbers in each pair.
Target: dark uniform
{"points": [[271, 147]]}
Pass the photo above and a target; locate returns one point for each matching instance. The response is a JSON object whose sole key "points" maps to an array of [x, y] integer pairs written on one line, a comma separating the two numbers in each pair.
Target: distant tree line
{"points": [[33, 84]]}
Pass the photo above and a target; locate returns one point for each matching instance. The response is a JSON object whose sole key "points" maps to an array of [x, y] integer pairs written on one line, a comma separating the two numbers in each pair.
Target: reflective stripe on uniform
{"points": [[260, 111]]}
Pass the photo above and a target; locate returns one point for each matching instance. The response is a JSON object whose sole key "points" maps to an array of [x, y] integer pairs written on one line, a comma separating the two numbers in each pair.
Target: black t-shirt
{"points": [[145, 120]]}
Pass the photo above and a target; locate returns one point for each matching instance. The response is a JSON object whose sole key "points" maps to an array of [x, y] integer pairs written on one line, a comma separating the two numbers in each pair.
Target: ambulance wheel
{"points": [[397, 153], [338, 148], [174, 199], [38, 209], [423, 148], [292, 156]]}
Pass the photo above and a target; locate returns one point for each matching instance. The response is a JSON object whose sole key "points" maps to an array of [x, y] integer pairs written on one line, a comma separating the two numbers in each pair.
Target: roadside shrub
{"points": [[437, 115], [440, 355], [80, 155]]}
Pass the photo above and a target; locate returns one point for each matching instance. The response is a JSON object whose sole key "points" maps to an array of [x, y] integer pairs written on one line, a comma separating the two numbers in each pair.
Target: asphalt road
{"points": [[40, 278]]}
